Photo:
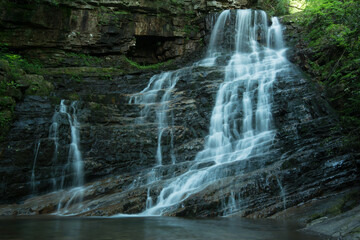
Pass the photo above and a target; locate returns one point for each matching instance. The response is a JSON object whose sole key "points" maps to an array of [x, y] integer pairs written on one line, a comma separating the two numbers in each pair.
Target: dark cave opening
{"points": [[150, 49]]}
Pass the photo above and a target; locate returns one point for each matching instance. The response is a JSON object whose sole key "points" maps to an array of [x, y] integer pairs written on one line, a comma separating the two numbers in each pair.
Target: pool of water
{"points": [[149, 228]]}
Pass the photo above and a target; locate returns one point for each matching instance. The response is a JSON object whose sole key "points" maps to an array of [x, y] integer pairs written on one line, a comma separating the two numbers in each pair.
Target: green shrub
{"points": [[332, 30]]}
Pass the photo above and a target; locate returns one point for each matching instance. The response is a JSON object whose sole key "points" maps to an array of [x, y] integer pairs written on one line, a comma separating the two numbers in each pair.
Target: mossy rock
{"points": [[37, 85], [4, 65], [5, 115], [73, 96], [83, 71], [14, 93], [5, 123], [95, 106], [6, 102]]}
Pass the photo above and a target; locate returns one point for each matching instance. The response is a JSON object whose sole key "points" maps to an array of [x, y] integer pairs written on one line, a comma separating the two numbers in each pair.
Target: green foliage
{"points": [[13, 70], [77, 78], [83, 59], [16, 62], [275, 7], [145, 67], [333, 33], [190, 30], [175, 2], [121, 12], [5, 121], [108, 15], [8, 64]]}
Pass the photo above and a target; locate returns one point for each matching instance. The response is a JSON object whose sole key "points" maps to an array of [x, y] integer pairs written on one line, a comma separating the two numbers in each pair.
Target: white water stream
{"points": [[74, 164], [33, 175], [241, 120], [160, 87]]}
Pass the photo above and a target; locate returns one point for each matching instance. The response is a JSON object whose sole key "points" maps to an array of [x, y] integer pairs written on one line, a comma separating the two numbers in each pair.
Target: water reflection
{"points": [[155, 228]]}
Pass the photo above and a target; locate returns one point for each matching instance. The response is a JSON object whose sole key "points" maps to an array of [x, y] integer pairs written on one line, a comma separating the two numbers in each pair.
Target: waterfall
{"points": [[74, 165], [233, 204], [282, 192], [54, 136], [241, 120], [217, 36], [160, 87], [33, 177], [74, 157]]}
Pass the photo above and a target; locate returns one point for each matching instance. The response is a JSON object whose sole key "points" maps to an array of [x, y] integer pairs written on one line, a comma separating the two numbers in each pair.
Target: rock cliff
{"points": [[309, 160], [93, 51], [146, 31]]}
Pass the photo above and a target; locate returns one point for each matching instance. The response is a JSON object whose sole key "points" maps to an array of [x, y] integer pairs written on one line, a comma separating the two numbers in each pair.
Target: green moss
{"points": [[37, 85], [121, 12], [83, 71], [107, 16], [191, 30], [6, 102], [73, 96], [56, 3], [17, 72], [346, 203], [145, 67], [5, 123], [106, 77], [77, 78], [275, 7], [101, 97], [95, 106], [83, 59]]}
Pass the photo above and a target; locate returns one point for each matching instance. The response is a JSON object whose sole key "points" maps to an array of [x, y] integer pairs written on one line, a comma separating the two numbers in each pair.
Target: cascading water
{"points": [[160, 86], [241, 121], [33, 177], [74, 165], [215, 46], [74, 158], [54, 136]]}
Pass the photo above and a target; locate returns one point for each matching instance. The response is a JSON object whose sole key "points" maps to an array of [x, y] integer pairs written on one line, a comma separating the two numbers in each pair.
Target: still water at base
{"points": [[149, 228]]}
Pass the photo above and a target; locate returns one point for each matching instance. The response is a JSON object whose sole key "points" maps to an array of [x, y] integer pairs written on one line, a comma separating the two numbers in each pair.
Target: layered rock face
{"points": [[68, 34], [308, 158], [145, 31]]}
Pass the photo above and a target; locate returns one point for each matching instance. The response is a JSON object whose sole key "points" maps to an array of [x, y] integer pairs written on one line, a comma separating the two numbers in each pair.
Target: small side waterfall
{"points": [[149, 201], [233, 204], [241, 120], [74, 166], [33, 175], [282, 192], [217, 36], [74, 158], [54, 136], [157, 96]]}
